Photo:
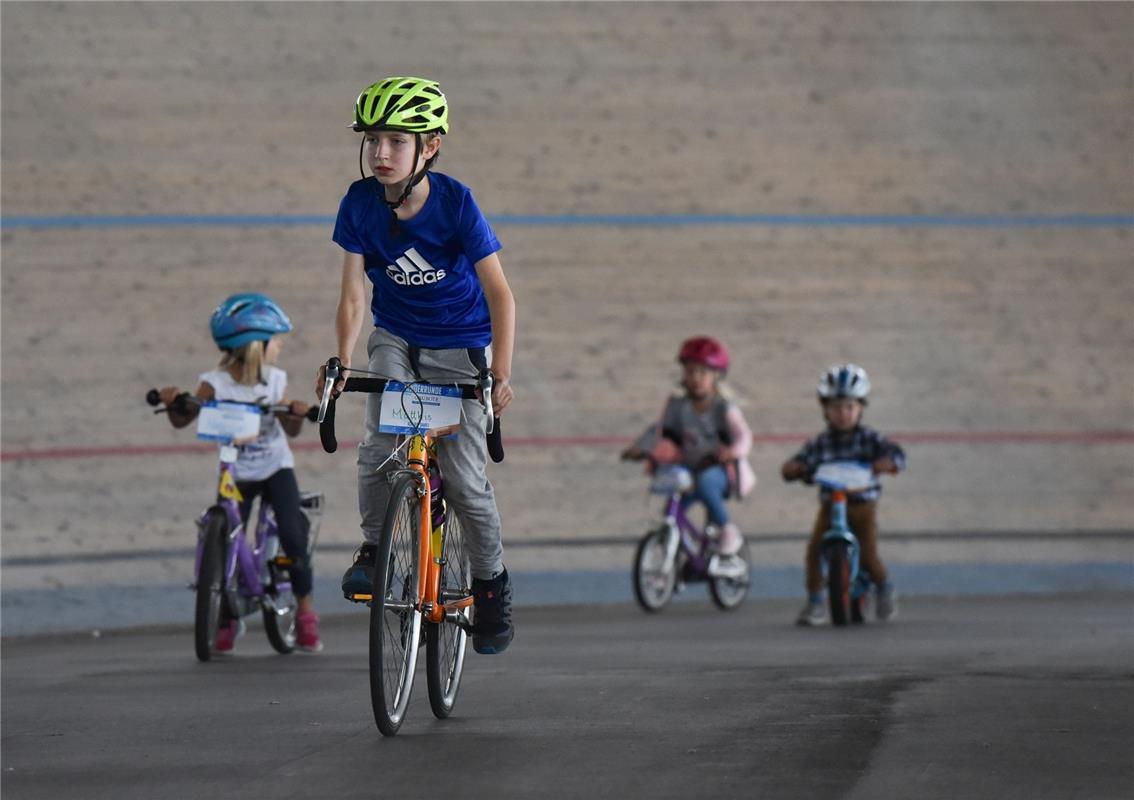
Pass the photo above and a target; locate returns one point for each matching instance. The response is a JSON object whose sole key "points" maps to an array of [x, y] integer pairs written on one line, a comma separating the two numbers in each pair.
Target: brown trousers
{"points": [[863, 521]]}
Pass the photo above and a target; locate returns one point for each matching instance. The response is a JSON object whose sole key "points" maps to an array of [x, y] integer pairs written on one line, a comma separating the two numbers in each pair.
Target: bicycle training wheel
{"points": [[654, 578], [210, 584], [395, 621], [729, 592], [838, 583], [445, 641]]}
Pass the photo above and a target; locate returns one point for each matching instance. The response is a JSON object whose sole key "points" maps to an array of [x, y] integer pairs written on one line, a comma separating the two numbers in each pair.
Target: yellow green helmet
{"points": [[403, 104]]}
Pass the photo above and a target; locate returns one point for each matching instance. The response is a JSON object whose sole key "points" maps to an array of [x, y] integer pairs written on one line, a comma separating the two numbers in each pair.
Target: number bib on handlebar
{"points": [[849, 475], [223, 422], [421, 407]]}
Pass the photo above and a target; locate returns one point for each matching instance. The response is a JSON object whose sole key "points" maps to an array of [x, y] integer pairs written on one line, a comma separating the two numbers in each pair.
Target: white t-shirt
{"points": [[263, 458]]}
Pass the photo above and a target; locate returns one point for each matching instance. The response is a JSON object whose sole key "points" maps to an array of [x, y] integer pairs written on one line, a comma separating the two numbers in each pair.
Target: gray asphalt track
{"points": [[973, 697]]}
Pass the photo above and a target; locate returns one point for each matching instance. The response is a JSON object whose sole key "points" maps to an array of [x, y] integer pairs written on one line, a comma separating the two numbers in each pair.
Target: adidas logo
{"points": [[413, 270]]}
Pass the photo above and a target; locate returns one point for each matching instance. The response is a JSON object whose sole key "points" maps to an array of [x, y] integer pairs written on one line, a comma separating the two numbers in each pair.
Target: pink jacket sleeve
{"points": [[743, 478], [741, 433]]}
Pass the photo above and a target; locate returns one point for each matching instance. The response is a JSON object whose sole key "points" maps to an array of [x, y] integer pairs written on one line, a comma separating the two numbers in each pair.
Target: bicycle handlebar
{"points": [[184, 401], [326, 410]]}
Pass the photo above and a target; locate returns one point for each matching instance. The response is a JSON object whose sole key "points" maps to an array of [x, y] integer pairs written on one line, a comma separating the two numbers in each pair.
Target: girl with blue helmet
{"points": [[247, 328]]}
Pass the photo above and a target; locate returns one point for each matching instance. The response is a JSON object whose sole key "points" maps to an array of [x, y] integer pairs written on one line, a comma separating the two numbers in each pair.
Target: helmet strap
{"points": [[413, 181]]}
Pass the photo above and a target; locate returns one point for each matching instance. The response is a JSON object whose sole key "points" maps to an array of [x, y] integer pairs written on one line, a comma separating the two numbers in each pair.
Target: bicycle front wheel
{"points": [[654, 574], [838, 583], [395, 619], [210, 584], [445, 641]]}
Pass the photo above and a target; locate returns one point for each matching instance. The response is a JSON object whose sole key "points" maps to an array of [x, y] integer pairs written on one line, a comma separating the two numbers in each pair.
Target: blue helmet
{"points": [[248, 317]]}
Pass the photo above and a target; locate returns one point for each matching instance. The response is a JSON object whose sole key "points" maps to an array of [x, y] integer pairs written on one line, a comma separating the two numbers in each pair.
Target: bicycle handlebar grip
{"points": [[495, 445], [152, 397], [327, 428], [312, 414]]}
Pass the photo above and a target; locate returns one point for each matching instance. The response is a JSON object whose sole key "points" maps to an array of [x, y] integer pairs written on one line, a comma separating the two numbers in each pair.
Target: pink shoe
{"points": [[226, 637], [307, 632]]}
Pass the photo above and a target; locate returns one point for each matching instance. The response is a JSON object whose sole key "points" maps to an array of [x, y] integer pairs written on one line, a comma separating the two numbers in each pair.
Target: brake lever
{"points": [[331, 377], [180, 404], [484, 382]]}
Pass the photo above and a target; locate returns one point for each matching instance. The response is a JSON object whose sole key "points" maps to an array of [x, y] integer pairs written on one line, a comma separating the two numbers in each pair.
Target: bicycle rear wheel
{"points": [[729, 592], [279, 615], [654, 579], [445, 641], [210, 584], [395, 620]]}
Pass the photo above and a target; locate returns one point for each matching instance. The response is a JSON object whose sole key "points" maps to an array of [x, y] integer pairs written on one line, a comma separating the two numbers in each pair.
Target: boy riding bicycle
{"points": [[441, 311], [843, 391]]}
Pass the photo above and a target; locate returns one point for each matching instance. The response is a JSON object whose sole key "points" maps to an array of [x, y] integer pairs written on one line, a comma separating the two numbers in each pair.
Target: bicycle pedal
{"points": [[360, 598], [282, 561], [462, 623]]}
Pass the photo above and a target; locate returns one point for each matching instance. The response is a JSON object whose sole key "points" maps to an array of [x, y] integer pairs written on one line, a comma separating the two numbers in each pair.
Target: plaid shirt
{"points": [[861, 444]]}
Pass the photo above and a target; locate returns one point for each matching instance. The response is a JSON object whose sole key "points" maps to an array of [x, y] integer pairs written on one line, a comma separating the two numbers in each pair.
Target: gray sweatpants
{"points": [[463, 459]]}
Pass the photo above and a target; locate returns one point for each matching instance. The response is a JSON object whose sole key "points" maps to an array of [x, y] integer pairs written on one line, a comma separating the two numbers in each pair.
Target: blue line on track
{"points": [[569, 220], [78, 608]]}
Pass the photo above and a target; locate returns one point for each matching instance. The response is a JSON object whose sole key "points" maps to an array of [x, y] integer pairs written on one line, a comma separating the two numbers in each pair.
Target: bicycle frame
{"points": [[840, 532], [694, 542], [430, 536], [242, 562]]}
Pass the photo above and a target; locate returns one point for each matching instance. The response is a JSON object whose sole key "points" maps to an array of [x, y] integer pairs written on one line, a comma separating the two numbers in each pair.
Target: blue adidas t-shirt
{"points": [[426, 289]]}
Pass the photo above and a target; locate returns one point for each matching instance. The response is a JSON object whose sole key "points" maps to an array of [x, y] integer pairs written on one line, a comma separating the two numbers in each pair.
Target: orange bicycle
{"points": [[422, 577]]}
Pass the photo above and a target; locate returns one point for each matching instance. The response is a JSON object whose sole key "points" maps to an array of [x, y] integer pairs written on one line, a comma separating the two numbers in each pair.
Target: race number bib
{"points": [[419, 408], [848, 475], [223, 422]]}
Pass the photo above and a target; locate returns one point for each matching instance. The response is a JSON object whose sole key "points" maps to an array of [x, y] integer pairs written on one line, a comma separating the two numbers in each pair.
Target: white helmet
{"points": [[844, 380]]}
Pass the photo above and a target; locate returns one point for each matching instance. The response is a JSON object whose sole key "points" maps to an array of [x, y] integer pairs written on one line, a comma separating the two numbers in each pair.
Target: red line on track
{"points": [[1099, 437]]}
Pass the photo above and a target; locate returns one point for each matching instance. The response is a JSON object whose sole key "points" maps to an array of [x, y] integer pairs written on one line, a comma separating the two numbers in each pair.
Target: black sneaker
{"points": [[492, 619], [359, 579]]}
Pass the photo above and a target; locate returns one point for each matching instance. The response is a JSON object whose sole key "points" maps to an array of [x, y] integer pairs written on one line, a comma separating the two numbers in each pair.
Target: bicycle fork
{"points": [[840, 532], [672, 543]]}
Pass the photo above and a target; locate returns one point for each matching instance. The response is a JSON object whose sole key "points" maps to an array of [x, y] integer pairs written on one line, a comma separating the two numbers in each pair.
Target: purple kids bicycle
{"points": [[678, 552], [231, 577]]}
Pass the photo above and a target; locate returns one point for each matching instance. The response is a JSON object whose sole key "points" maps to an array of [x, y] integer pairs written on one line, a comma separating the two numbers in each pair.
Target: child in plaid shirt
{"points": [[843, 390]]}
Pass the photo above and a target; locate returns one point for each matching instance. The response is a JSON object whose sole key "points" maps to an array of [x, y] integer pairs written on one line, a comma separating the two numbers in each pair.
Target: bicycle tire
{"points": [[729, 593], [280, 627], [445, 641], [395, 621], [210, 584], [654, 581], [858, 606], [838, 583]]}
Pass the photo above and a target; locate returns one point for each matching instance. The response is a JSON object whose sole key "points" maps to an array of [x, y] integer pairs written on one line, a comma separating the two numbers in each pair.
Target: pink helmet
{"points": [[704, 350]]}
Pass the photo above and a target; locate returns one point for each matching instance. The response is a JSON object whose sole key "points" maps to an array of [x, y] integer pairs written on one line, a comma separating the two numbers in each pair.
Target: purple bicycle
{"points": [[231, 577], [678, 552]]}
